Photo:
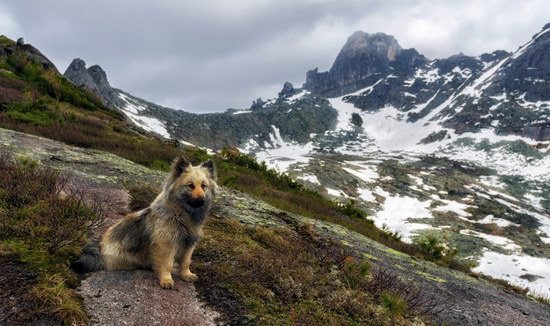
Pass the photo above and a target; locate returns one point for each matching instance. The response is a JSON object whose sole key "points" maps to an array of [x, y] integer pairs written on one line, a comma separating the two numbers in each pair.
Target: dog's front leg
{"points": [[185, 273], [162, 259]]}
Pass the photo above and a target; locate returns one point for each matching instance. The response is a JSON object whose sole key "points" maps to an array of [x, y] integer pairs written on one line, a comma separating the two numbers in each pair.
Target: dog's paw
{"points": [[189, 277], [166, 283]]}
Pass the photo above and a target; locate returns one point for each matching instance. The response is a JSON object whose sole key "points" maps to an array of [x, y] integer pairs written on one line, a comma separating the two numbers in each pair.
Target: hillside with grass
{"points": [[274, 252]]}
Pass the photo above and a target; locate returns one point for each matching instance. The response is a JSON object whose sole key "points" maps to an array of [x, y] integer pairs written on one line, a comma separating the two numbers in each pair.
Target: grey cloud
{"points": [[206, 56]]}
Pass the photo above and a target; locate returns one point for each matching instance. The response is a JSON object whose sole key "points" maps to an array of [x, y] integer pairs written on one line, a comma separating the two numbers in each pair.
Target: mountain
{"points": [[455, 148], [363, 58]]}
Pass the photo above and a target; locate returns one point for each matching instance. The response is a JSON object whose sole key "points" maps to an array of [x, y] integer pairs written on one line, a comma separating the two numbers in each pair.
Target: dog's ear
{"points": [[209, 165], [179, 166]]}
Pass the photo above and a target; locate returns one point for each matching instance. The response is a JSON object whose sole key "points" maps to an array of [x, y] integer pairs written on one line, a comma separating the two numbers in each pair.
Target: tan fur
{"points": [[166, 231]]}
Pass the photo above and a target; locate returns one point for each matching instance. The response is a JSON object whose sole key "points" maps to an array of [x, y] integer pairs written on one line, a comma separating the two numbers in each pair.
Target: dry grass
{"points": [[280, 276]]}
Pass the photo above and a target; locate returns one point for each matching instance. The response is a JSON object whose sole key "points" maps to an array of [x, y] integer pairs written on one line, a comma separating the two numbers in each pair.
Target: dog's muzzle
{"points": [[196, 203]]}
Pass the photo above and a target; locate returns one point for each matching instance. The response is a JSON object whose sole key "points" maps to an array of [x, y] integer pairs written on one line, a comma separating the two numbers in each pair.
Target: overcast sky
{"points": [[206, 56]]}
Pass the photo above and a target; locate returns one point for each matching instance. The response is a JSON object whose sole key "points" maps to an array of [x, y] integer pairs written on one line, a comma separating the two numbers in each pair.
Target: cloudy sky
{"points": [[206, 56]]}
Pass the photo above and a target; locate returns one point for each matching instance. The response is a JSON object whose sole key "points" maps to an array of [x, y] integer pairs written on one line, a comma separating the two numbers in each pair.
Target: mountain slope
{"points": [[447, 296]]}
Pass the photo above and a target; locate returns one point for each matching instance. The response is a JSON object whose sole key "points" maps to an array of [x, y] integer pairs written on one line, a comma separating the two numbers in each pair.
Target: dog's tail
{"points": [[90, 261]]}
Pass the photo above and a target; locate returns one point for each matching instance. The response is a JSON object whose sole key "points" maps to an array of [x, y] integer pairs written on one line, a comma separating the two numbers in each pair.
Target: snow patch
{"points": [[310, 178], [398, 210], [512, 267], [132, 111]]}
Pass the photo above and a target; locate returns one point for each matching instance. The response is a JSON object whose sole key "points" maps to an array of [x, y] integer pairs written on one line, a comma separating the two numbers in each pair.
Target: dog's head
{"points": [[193, 187]]}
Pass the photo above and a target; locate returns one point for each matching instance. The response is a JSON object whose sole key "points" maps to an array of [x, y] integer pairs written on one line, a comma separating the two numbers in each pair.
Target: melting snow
{"points": [[132, 110], [310, 178], [501, 242], [335, 192], [365, 172], [366, 194], [491, 219], [455, 207], [398, 210], [242, 112], [281, 154], [512, 267], [297, 96]]}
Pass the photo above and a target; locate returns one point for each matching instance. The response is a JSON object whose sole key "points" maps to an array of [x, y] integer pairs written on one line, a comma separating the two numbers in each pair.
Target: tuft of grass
{"points": [[394, 303], [540, 297]]}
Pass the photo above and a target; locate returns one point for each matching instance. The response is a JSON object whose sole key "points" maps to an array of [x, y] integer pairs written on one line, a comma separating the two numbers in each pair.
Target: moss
{"points": [[371, 257], [430, 277], [397, 253]]}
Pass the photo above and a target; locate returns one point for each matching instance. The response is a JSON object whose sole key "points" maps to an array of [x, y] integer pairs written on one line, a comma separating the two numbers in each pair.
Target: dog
{"points": [[161, 234]]}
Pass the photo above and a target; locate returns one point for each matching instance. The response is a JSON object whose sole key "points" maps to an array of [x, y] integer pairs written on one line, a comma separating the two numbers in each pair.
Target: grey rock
{"points": [[288, 90], [79, 75], [20, 41], [257, 104], [95, 79], [363, 56]]}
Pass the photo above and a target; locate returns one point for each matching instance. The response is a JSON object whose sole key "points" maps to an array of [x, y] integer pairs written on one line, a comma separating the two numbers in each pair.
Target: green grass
{"points": [[6, 41]]}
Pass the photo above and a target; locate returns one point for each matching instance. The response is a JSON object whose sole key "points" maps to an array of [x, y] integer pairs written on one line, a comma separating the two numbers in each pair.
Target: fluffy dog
{"points": [[161, 234]]}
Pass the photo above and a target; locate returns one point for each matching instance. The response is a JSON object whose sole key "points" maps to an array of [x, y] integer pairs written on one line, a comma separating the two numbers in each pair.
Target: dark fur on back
{"points": [[134, 235]]}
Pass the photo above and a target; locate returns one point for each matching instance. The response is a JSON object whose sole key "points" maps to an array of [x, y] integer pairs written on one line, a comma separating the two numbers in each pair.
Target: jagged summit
{"points": [[78, 74], [361, 44], [363, 56], [93, 78]]}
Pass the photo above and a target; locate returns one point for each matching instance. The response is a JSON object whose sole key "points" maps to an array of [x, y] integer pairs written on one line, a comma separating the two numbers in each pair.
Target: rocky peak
{"points": [[527, 71], [79, 75], [94, 78], [98, 74], [495, 55], [257, 104], [361, 44], [9, 47], [288, 90], [363, 56], [100, 78]]}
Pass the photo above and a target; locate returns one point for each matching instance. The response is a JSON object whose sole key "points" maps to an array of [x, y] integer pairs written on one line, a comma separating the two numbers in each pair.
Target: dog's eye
{"points": [[192, 186], [204, 185]]}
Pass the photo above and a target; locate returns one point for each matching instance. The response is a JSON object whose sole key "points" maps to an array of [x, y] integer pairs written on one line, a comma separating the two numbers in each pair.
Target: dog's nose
{"points": [[198, 202]]}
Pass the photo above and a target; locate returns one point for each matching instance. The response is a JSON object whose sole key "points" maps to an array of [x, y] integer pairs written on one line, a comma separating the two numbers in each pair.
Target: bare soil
{"points": [[17, 306]]}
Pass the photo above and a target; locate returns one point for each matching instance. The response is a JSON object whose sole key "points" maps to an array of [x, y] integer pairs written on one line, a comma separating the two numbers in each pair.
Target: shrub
{"points": [[44, 222]]}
